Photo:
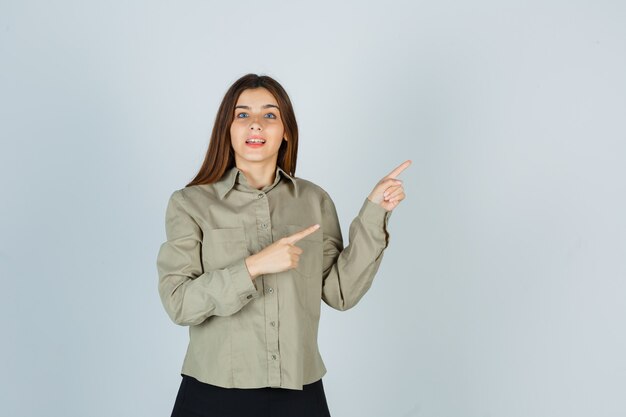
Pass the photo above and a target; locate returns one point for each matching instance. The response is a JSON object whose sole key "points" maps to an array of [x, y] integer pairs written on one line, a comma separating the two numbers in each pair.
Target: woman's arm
{"points": [[189, 294], [348, 272]]}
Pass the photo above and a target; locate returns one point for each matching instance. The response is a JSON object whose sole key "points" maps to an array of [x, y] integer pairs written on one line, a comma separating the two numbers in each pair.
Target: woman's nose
{"points": [[254, 124]]}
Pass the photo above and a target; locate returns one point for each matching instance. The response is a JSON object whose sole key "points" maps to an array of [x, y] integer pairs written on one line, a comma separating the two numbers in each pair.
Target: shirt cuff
{"points": [[373, 213], [242, 281]]}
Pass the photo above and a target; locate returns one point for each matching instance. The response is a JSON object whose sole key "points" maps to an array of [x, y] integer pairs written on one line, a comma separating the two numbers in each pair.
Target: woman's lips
{"points": [[255, 144], [255, 141]]}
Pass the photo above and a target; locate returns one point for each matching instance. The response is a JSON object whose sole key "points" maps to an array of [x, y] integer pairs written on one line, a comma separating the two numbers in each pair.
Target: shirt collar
{"points": [[230, 178]]}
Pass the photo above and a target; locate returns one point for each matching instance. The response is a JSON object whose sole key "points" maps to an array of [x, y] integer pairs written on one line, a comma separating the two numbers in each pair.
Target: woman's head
{"points": [[234, 125]]}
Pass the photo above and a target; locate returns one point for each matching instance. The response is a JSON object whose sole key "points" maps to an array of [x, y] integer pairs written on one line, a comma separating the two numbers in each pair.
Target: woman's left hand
{"points": [[389, 191]]}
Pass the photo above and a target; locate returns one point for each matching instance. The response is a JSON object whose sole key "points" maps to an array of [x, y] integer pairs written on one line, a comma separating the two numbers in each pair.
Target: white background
{"points": [[502, 292]]}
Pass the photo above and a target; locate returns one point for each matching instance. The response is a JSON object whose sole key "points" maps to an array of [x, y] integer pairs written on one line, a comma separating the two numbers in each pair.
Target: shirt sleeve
{"points": [[189, 294], [348, 272]]}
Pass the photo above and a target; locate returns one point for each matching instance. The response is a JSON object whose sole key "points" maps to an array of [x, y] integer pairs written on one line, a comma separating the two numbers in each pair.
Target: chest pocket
{"points": [[221, 247], [310, 264]]}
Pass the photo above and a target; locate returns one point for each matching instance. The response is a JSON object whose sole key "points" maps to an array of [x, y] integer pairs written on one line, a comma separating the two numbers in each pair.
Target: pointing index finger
{"points": [[302, 233], [399, 169]]}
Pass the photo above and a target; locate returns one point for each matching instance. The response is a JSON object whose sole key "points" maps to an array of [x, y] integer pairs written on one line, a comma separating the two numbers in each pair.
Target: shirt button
{"points": [[270, 290], [264, 225], [249, 296], [260, 195], [273, 356], [273, 323]]}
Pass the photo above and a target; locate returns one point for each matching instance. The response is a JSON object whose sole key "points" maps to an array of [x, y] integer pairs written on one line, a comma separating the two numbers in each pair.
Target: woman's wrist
{"points": [[251, 265]]}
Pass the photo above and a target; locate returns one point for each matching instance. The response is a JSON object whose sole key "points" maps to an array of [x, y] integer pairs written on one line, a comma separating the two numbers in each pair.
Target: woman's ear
{"points": [[285, 139]]}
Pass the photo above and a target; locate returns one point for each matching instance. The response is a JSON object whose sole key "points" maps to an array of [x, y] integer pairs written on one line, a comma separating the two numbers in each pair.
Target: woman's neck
{"points": [[258, 176]]}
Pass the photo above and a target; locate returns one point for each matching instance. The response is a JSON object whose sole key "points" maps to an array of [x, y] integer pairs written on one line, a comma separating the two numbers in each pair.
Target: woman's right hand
{"points": [[279, 256]]}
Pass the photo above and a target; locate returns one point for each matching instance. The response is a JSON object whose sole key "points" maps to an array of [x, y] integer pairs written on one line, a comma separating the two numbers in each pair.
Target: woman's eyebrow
{"points": [[265, 106]]}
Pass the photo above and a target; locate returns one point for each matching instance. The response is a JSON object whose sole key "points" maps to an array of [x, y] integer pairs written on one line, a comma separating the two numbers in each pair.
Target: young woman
{"points": [[251, 252]]}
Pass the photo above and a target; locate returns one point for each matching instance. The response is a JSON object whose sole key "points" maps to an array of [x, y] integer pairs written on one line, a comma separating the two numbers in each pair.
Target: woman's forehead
{"points": [[256, 97]]}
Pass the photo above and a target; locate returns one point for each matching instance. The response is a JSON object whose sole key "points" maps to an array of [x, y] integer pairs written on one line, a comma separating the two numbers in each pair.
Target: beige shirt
{"points": [[246, 333]]}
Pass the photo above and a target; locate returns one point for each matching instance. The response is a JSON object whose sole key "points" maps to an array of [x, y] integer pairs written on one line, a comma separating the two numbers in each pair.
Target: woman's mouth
{"points": [[255, 143]]}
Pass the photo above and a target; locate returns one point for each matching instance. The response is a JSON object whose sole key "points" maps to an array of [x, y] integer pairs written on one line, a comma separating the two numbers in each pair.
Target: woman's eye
{"points": [[244, 115]]}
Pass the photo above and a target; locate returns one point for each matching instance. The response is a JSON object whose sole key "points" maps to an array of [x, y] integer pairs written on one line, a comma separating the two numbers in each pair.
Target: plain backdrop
{"points": [[502, 291]]}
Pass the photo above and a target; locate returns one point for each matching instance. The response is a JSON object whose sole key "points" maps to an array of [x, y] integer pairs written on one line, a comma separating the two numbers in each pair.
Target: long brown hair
{"points": [[220, 156]]}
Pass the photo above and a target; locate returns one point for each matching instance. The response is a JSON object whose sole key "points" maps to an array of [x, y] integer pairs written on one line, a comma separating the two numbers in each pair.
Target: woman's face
{"points": [[256, 116]]}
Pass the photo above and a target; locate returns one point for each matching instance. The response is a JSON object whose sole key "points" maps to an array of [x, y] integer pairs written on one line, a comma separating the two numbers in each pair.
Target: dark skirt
{"points": [[197, 399]]}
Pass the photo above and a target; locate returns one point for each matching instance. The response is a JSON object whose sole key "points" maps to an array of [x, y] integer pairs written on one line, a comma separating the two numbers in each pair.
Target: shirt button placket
{"points": [[264, 232]]}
